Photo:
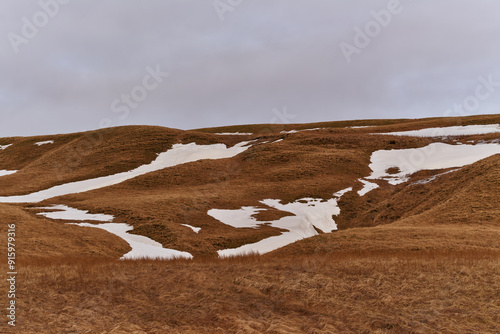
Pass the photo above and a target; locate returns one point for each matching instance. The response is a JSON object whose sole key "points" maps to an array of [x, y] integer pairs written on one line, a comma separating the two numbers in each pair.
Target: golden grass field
{"points": [[421, 258]]}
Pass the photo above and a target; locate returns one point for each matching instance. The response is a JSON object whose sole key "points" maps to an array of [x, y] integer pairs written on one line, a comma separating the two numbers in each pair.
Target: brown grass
{"points": [[353, 292], [38, 237]]}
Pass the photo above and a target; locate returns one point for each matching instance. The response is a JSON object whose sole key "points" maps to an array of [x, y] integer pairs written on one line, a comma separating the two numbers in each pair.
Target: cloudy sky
{"points": [[77, 65]]}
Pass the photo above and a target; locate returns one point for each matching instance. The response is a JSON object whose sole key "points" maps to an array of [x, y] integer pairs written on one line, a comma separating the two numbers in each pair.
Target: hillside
{"points": [[345, 227]]}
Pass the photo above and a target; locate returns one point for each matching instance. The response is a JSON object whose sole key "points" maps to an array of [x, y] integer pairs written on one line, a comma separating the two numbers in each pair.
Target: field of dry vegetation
{"points": [[412, 258], [352, 292]]}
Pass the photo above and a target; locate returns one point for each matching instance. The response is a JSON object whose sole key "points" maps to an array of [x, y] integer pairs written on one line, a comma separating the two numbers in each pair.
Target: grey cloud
{"points": [[265, 55]]}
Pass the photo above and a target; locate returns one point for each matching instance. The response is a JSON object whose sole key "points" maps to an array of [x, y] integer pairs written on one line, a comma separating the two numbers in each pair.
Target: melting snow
{"points": [[234, 134], [449, 131], [142, 247], [309, 214], [3, 147], [295, 131], [7, 172], [368, 186], [432, 178], [431, 157], [40, 143], [342, 192], [195, 229], [240, 218], [179, 154], [67, 213]]}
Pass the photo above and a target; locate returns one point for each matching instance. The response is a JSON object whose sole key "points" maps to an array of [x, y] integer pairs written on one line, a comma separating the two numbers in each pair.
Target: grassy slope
{"points": [[458, 211], [420, 258], [306, 164], [81, 156], [38, 237], [400, 124]]}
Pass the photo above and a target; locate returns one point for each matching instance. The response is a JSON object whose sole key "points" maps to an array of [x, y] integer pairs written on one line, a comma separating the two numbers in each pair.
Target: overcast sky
{"points": [[85, 64]]}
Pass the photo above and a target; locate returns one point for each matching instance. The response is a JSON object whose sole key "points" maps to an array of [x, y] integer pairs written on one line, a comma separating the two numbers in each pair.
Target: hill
{"points": [[414, 250]]}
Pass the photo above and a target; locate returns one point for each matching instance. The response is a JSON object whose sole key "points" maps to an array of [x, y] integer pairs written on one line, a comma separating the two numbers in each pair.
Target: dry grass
{"points": [[354, 292], [38, 237]]}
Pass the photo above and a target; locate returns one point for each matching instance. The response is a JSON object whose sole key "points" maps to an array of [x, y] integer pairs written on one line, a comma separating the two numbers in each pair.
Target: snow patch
{"points": [[240, 218], [449, 131], [234, 134], [40, 143], [367, 187], [295, 131], [179, 154], [195, 229], [3, 147], [142, 247], [309, 214], [434, 177], [7, 172], [67, 213], [342, 192], [431, 157]]}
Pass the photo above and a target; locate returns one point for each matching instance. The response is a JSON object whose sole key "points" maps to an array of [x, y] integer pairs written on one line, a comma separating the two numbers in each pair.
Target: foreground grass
{"points": [[355, 292]]}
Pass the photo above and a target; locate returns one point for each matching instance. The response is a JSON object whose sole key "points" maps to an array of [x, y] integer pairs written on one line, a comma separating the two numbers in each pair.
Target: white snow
{"points": [[432, 178], [234, 133], [3, 147], [67, 213], [315, 129], [277, 141], [195, 229], [40, 143], [7, 172], [308, 214], [240, 218], [449, 131], [368, 186], [179, 154], [142, 247], [295, 131], [361, 126], [431, 157], [342, 192]]}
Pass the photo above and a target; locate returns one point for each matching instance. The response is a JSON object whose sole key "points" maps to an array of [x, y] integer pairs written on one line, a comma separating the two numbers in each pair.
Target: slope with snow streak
{"points": [[448, 131], [195, 229], [234, 134], [179, 154], [40, 143], [367, 187], [142, 247], [66, 213], [7, 172], [309, 214], [342, 192], [431, 157]]}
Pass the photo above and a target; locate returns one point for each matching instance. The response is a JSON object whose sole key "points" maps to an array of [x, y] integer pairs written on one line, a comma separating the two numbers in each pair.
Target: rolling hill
{"points": [[361, 226]]}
